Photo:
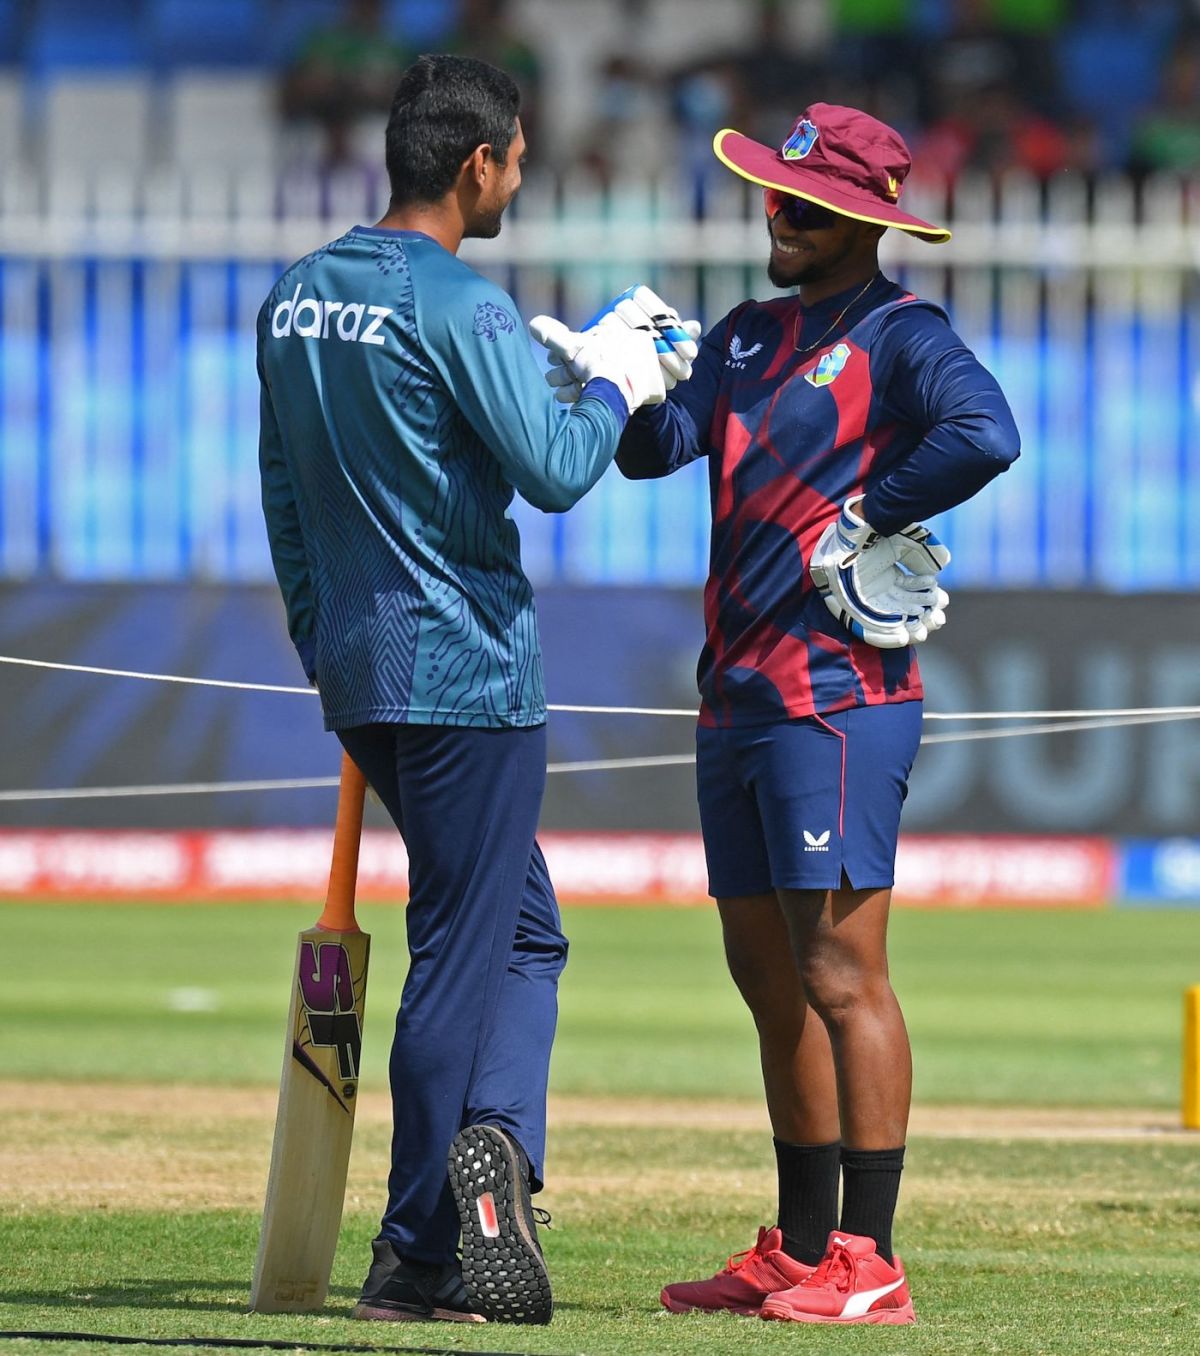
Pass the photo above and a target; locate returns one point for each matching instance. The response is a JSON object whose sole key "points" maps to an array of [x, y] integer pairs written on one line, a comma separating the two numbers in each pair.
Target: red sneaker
{"points": [[743, 1282], [851, 1284]]}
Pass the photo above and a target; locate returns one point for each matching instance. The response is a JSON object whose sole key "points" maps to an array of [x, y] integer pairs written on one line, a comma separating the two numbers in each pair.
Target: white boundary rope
{"points": [[154, 677], [173, 789], [303, 783], [1111, 721], [1140, 712], [595, 765], [1063, 721]]}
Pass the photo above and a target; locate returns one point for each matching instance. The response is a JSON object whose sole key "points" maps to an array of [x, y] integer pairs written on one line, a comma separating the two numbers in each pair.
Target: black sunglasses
{"points": [[799, 213]]}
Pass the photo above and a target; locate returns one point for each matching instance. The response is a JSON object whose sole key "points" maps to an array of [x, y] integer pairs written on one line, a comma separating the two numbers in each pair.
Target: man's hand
{"points": [[884, 590], [640, 309], [613, 351]]}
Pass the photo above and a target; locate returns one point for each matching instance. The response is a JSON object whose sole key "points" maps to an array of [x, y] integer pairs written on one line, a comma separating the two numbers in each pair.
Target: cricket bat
{"points": [[317, 1093]]}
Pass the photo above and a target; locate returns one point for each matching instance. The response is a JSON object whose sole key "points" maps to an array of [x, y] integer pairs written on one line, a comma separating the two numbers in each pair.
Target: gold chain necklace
{"points": [[837, 319]]}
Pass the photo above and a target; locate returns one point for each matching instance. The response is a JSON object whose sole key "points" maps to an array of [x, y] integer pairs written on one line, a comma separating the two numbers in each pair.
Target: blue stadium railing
{"points": [[128, 396]]}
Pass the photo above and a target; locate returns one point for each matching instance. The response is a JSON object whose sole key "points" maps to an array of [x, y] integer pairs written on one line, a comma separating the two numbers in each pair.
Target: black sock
{"points": [[870, 1186], [808, 1197]]}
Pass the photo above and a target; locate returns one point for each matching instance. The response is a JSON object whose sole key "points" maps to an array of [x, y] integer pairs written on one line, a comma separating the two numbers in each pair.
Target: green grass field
{"points": [[141, 1047], [1016, 1008]]}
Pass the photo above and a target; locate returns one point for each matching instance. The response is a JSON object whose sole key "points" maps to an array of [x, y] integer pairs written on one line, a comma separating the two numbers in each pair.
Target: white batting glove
{"points": [[884, 590], [921, 555], [675, 340], [614, 352]]}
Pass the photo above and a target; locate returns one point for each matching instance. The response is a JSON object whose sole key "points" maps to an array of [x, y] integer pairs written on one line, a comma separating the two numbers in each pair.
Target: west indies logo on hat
{"points": [[840, 158], [803, 139]]}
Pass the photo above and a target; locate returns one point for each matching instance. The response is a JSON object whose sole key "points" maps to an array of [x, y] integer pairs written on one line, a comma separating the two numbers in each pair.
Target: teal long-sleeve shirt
{"points": [[401, 407]]}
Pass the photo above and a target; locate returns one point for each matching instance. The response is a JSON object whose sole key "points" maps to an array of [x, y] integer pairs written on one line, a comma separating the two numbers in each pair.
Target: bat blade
{"points": [[314, 1124], [318, 1090]]}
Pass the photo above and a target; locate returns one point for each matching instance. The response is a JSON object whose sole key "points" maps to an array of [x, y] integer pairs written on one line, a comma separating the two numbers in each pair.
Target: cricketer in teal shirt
{"points": [[401, 408]]}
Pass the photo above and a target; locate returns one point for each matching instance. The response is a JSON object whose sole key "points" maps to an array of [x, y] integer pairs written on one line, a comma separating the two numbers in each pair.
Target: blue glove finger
{"points": [[612, 306], [660, 344], [676, 334]]}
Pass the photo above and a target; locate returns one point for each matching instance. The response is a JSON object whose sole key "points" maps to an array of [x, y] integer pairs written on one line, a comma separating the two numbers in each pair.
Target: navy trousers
{"points": [[486, 948]]}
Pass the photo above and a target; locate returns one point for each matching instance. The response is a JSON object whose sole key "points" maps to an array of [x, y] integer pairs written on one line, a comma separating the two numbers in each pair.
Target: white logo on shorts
{"points": [[815, 842]]}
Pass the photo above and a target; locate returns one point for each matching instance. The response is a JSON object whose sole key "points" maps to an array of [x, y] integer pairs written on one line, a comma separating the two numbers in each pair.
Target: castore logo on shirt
{"points": [[738, 355]]}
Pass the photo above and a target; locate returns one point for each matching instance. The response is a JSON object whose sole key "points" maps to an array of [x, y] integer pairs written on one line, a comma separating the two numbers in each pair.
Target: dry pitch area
{"points": [[86, 1146], [133, 1210]]}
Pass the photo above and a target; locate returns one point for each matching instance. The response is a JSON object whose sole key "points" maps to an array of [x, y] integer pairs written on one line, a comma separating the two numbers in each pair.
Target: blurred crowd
{"points": [[351, 67], [1044, 86]]}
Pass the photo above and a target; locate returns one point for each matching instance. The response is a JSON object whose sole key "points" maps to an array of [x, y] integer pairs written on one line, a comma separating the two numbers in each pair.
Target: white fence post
{"points": [[129, 425]]}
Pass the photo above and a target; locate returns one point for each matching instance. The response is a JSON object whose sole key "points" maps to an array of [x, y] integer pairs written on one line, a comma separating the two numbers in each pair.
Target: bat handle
{"points": [[338, 915]]}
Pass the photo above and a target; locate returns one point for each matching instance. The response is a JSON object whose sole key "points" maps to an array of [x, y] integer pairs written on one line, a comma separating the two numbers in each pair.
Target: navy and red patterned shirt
{"points": [[796, 418]]}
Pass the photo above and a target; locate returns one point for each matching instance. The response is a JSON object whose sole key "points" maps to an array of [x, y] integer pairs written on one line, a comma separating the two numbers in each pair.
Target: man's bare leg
{"points": [[794, 1049], [839, 941], [797, 1069]]}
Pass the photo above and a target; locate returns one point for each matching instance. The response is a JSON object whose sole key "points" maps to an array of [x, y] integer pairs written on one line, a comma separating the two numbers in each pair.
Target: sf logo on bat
{"points": [[327, 999]]}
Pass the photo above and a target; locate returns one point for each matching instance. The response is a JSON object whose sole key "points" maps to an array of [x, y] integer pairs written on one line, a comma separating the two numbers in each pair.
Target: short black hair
{"points": [[444, 107]]}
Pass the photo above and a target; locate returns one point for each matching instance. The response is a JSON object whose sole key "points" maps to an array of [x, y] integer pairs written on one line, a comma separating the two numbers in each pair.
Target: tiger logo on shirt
{"points": [[491, 321]]}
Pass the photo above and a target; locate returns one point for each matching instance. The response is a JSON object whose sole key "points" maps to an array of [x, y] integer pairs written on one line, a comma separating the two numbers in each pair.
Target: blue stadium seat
{"points": [[291, 21], [1110, 71], [11, 31], [77, 34], [424, 24], [208, 32], [1110, 58]]}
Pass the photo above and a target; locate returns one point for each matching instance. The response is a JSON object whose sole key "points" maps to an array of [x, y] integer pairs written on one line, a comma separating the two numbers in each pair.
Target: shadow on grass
{"points": [[156, 1294], [238, 1343]]}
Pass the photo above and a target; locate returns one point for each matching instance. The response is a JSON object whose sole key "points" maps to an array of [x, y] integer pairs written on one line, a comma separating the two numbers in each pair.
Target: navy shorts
{"points": [[797, 804]]}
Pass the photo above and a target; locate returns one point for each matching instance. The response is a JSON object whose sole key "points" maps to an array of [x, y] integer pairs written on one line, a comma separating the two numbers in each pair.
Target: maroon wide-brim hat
{"points": [[843, 159]]}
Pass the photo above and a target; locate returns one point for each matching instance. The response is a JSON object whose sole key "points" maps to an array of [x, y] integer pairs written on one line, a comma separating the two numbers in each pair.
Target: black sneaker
{"points": [[502, 1266], [397, 1291]]}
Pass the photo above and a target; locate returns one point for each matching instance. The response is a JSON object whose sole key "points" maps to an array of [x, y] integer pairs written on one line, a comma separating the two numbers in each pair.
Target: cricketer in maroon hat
{"points": [[834, 419], [836, 158]]}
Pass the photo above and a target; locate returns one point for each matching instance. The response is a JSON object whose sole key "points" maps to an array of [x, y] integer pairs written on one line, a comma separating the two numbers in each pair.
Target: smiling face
{"points": [[830, 257]]}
